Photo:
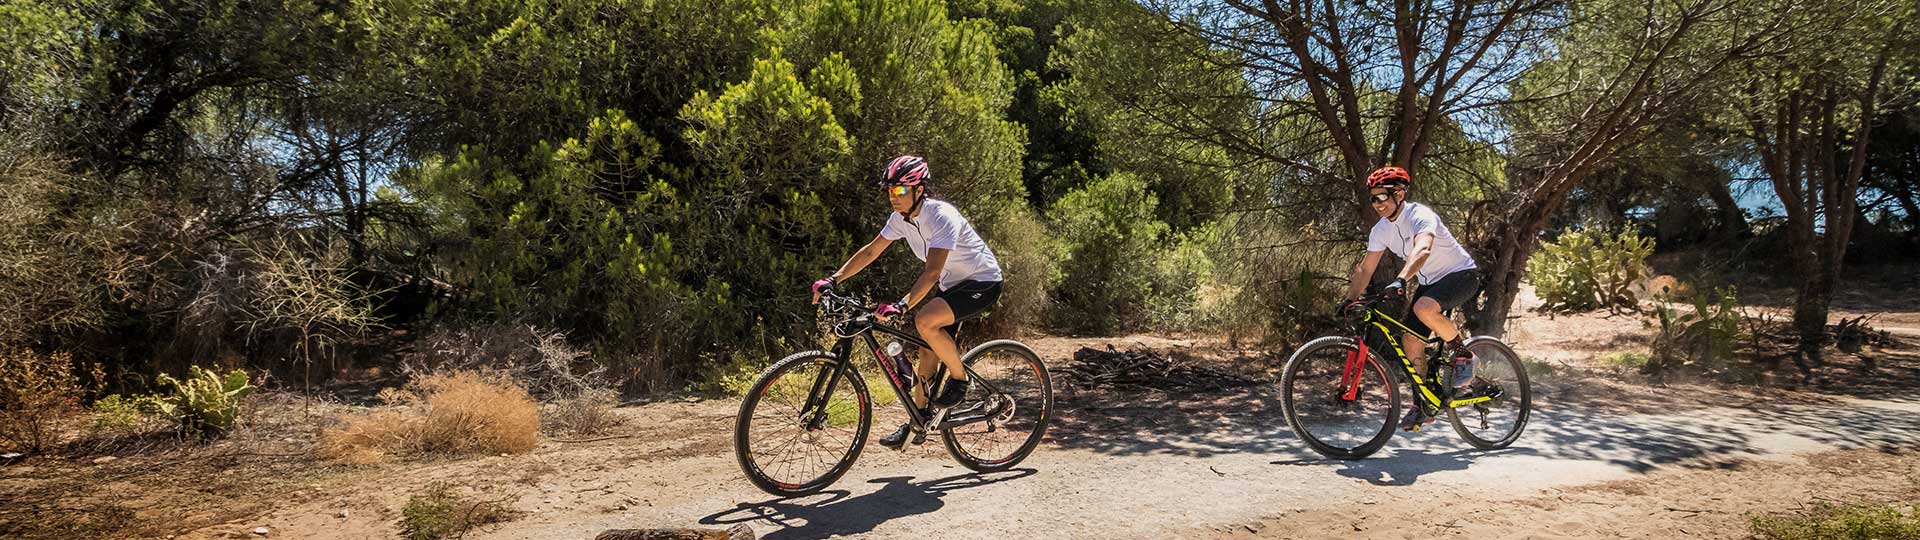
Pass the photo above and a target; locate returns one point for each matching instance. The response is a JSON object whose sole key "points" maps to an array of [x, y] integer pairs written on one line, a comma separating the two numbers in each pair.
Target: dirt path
{"points": [[1228, 467], [1600, 458]]}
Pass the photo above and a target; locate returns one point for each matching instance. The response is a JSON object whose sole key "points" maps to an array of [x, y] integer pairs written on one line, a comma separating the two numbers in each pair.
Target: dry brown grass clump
{"points": [[37, 393], [590, 413], [450, 414]]}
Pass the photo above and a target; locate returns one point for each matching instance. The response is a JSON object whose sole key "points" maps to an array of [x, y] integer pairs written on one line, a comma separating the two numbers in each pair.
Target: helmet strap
{"points": [[921, 197]]}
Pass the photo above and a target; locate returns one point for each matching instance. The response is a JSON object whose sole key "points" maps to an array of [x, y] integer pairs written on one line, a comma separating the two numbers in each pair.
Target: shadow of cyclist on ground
{"points": [[838, 514], [1404, 466]]}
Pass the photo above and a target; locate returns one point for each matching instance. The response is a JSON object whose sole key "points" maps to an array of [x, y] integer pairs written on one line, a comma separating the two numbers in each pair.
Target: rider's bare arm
{"points": [[862, 258], [936, 260], [1362, 273], [1422, 247]]}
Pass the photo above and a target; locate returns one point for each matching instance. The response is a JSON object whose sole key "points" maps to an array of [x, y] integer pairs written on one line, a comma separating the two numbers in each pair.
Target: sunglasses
{"points": [[1382, 197], [899, 191]]}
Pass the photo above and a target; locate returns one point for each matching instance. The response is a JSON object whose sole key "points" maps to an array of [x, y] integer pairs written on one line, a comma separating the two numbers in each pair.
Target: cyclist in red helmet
{"points": [[958, 262], [1445, 272]]}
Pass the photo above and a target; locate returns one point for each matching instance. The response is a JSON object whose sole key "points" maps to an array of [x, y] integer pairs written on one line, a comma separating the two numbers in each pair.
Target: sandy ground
{"points": [[1600, 459]]}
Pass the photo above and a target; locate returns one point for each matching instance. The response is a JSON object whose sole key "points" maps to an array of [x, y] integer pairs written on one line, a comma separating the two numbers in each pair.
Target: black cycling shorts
{"points": [[968, 299], [1451, 291]]}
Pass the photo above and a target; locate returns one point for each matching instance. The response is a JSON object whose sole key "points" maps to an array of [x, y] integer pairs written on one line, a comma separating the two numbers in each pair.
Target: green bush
{"points": [[1591, 269], [131, 414], [1627, 360], [207, 404], [1828, 522], [665, 227], [1697, 332], [439, 513], [1111, 239], [1029, 259], [1181, 273]]}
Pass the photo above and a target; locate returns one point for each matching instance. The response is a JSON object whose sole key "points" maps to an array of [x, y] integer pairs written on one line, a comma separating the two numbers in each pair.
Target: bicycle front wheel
{"points": [[795, 435], [1494, 424], [1007, 407], [1314, 395]]}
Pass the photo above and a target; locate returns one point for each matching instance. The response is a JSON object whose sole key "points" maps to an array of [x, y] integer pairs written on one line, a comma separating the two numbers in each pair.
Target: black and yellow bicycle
{"points": [[1341, 400]]}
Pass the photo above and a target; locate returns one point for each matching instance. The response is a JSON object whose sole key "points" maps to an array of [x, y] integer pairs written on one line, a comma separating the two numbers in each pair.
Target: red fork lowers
{"points": [[1350, 373]]}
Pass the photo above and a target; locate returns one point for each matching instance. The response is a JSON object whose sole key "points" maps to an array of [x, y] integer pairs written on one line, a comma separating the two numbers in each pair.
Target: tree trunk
{"points": [[1733, 221], [1810, 321], [1500, 276], [1904, 196]]}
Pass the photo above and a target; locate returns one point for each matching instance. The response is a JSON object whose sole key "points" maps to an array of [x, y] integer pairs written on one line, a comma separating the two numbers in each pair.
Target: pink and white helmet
{"points": [[906, 171]]}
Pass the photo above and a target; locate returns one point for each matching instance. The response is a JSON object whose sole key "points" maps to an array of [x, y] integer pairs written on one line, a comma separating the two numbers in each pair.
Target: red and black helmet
{"points": [[1390, 177], [906, 171]]}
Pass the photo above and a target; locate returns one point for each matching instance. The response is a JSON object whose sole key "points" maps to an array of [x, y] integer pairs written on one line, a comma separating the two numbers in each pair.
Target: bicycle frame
{"points": [[1355, 363], [863, 327]]}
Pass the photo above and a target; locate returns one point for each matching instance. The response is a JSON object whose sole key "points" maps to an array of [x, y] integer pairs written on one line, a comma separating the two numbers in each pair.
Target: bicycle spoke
{"points": [[782, 445], [1316, 388], [1003, 375]]}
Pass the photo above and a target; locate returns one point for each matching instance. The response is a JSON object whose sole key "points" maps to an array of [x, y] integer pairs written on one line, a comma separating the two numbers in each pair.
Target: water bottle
{"points": [[897, 352]]}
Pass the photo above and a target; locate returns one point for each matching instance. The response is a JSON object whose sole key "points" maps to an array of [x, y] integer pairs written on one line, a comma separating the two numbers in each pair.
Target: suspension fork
{"points": [[814, 413], [1351, 372]]}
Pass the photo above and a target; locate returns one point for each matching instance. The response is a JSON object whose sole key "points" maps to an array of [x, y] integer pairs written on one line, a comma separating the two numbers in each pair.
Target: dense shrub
{"points": [[206, 403], [1697, 332], [1111, 235], [132, 415], [1591, 269]]}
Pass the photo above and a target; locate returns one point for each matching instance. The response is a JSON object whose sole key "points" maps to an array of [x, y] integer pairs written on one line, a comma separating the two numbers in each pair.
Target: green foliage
{"points": [[132, 414], [1156, 103], [1107, 275], [1591, 269], [1829, 522], [440, 512], [1626, 360], [1029, 255], [682, 244], [1181, 273], [207, 403], [1697, 332]]}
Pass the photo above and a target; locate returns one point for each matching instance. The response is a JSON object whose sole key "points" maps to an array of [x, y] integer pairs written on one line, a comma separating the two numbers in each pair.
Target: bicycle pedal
{"points": [[920, 432]]}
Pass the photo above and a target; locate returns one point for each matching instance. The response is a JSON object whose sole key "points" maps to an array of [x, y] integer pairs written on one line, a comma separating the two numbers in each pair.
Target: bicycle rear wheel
{"points": [[1012, 400], [1494, 424], [787, 447], [1313, 396]]}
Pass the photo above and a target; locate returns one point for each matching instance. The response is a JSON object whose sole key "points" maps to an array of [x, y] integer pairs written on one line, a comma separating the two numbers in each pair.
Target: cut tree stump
{"points": [[738, 532]]}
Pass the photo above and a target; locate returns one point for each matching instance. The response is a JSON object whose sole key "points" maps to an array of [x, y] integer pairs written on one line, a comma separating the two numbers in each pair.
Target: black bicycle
{"points": [[1345, 405], [806, 418]]}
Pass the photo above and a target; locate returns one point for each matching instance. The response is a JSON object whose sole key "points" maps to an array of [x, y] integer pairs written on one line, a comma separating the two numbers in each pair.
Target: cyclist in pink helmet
{"points": [[961, 278]]}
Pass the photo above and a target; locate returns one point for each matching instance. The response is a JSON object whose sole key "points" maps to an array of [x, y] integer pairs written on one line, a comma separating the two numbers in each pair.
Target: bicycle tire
{"points": [[745, 421], [1498, 359], [1024, 372], [1294, 393]]}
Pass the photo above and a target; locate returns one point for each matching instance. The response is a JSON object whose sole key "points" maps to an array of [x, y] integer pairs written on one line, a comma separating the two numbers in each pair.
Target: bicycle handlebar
{"points": [[839, 304]]}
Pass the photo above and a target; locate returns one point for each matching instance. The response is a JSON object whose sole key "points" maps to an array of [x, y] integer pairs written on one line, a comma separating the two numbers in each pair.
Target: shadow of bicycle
{"points": [[835, 512], [1404, 466]]}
